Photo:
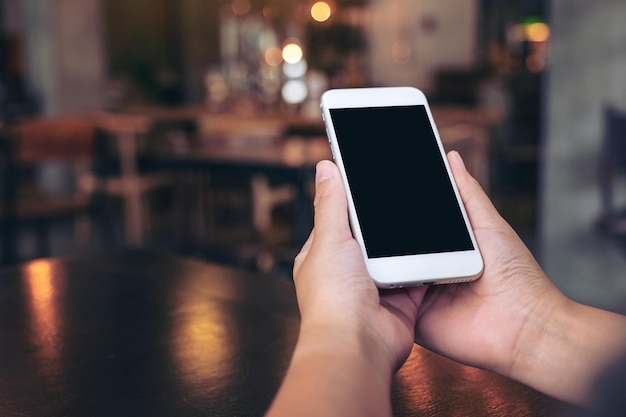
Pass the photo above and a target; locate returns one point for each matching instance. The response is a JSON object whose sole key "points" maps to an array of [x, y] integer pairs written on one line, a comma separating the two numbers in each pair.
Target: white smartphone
{"points": [[404, 206]]}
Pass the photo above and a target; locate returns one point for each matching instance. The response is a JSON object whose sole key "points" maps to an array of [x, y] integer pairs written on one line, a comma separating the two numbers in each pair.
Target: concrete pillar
{"points": [[65, 53], [587, 67]]}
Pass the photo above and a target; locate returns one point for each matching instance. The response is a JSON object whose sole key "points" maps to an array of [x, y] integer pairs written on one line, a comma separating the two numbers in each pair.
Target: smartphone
{"points": [[404, 207]]}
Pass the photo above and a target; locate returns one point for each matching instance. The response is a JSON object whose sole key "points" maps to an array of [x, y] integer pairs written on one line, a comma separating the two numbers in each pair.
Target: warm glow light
{"points": [[537, 32], [292, 53], [273, 56], [320, 11]]}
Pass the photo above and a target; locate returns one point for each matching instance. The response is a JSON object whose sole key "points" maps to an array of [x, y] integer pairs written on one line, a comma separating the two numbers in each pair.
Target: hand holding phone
{"points": [[404, 208]]}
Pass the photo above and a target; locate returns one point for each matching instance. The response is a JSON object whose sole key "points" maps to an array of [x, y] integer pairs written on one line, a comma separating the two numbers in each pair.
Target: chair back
{"points": [[43, 139], [25, 147]]}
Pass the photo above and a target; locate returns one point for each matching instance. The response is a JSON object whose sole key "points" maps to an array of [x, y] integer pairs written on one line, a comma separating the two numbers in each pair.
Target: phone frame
{"points": [[405, 270]]}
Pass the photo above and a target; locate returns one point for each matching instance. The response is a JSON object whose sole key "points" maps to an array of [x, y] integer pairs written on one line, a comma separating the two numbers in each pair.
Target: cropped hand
{"points": [[352, 337], [514, 321], [483, 322], [333, 286], [511, 320]]}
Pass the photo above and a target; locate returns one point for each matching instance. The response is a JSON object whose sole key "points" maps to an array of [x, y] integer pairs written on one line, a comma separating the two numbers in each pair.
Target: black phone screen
{"points": [[403, 197]]}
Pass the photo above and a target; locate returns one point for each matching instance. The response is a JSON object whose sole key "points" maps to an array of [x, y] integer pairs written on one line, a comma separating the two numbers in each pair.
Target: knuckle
{"points": [[322, 195]]}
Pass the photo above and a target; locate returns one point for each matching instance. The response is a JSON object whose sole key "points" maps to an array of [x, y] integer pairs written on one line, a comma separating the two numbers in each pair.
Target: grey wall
{"points": [[587, 69], [450, 44]]}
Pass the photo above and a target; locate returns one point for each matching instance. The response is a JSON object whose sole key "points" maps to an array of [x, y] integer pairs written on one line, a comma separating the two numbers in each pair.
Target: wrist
{"points": [[345, 340], [565, 351], [335, 371], [537, 337]]}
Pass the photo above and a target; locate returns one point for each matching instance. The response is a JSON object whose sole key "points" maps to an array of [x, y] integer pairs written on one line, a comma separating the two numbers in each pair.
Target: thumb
{"points": [[331, 205], [480, 209]]}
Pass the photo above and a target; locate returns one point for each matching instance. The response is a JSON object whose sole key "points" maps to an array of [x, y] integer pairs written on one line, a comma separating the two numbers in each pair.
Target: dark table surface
{"points": [[147, 334]]}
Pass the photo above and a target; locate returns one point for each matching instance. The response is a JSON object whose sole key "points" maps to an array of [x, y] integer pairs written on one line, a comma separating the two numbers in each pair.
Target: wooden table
{"points": [[253, 146], [266, 145], [289, 162], [148, 334], [284, 142]]}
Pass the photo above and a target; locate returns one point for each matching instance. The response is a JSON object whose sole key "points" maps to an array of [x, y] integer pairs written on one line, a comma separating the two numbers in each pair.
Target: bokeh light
{"points": [[537, 32], [294, 91], [296, 70], [292, 52], [273, 56], [320, 11]]}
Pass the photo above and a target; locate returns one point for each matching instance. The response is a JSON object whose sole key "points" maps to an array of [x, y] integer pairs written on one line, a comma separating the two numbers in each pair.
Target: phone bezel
{"points": [[406, 270]]}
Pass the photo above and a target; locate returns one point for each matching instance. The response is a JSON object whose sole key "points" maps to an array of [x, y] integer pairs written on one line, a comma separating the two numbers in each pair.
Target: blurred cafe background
{"points": [[193, 126]]}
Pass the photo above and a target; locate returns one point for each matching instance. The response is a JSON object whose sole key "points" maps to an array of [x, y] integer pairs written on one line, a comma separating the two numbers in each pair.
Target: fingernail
{"points": [[323, 171]]}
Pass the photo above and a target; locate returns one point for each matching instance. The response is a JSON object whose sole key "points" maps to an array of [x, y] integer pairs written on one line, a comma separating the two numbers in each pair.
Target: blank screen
{"points": [[403, 197]]}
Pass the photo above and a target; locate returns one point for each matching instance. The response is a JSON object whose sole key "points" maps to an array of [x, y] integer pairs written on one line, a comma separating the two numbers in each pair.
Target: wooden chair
{"points": [[27, 146], [119, 169]]}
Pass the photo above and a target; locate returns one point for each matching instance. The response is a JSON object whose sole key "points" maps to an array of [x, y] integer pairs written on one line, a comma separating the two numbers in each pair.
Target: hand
{"points": [[352, 337], [511, 320], [484, 322], [334, 288]]}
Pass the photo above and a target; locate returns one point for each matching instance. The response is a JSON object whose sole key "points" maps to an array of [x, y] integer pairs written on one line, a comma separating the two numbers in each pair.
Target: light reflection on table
{"points": [[45, 286], [202, 337], [137, 333]]}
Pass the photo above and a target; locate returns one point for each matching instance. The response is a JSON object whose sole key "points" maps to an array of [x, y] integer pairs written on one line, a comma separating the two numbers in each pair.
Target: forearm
{"points": [[335, 375], [566, 355]]}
